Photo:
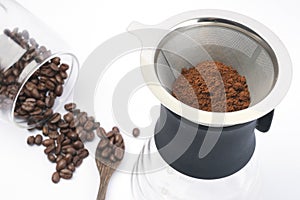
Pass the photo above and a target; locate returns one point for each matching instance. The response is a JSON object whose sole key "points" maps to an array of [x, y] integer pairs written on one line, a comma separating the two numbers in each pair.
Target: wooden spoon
{"points": [[109, 154]]}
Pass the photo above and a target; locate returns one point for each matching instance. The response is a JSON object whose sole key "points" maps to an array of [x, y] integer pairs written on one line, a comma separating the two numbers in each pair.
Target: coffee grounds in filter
{"points": [[212, 86]]}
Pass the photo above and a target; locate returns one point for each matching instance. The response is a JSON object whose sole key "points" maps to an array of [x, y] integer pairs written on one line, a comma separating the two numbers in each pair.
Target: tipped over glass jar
{"points": [[37, 72]]}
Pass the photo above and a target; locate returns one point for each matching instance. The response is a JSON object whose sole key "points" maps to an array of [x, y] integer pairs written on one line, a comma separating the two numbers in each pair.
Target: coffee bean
{"points": [[48, 142], [100, 132], [59, 158], [66, 174], [88, 125], [118, 139], [119, 153], [69, 158], [61, 165], [70, 151], [136, 132], [54, 67], [59, 90], [96, 125], [71, 167], [49, 101], [112, 158], [63, 124], [51, 158], [70, 107], [103, 143], [65, 130], [106, 152], [67, 141], [55, 177], [68, 117], [55, 60], [116, 129], [78, 145], [52, 127], [77, 161], [64, 67], [38, 139], [55, 118], [83, 154], [49, 149], [36, 111], [90, 136], [72, 135], [53, 135], [28, 106], [30, 140], [74, 123], [48, 112]]}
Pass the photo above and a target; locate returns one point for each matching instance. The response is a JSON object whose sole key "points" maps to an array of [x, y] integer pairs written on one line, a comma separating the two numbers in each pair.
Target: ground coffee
{"points": [[212, 86]]}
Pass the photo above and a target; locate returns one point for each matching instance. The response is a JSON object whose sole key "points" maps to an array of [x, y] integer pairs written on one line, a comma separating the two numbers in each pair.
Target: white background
{"points": [[25, 172]]}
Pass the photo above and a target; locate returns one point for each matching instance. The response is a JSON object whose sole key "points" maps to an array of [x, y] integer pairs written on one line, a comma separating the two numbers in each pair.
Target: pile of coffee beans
{"points": [[62, 141], [111, 147], [201, 88], [37, 97]]}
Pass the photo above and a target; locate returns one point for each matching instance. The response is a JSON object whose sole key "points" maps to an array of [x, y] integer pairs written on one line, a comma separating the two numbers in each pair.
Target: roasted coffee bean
{"points": [[88, 125], [79, 129], [71, 167], [56, 60], [28, 106], [61, 165], [35, 93], [106, 152], [119, 153], [54, 67], [52, 127], [116, 129], [72, 135], [48, 142], [48, 112], [118, 139], [30, 140], [77, 161], [41, 104], [103, 143], [49, 149], [90, 136], [83, 119], [100, 132], [53, 135], [78, 145], [83, 136], [66, 174], [45, 130], [96, 125], [51, 158], [36, 111], [49, 101], [70, 151], [63, 124], [67, 141], [69, 158], [65, 130], [68, 117], [59, 158], [83, 154], [112, 158], [136, 132], [55, 118], [59, 90], [59, 79], [64, 67], [58, 149], [38, 139], [70, 107], [55, 177], [74, 123]]}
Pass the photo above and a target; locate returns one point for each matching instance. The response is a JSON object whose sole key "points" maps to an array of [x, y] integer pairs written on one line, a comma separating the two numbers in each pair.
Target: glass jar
{"points": [[37, 72]]}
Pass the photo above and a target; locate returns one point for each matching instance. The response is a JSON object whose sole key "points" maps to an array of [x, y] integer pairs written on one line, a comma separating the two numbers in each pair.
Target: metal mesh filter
{"points": [[229, 43]]}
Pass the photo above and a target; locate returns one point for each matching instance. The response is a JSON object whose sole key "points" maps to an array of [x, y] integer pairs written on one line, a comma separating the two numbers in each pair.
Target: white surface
{"points": [[25, 172]]}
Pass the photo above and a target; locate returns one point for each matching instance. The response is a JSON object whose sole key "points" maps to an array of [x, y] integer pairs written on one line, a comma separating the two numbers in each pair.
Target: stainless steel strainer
{"points": [[233, 39]]}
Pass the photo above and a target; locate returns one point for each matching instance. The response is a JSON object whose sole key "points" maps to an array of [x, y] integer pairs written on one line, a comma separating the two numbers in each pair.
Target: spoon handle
{"points": [[105, 175]]}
